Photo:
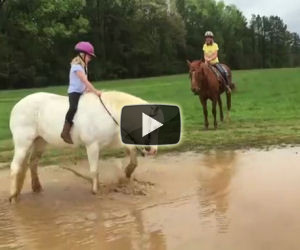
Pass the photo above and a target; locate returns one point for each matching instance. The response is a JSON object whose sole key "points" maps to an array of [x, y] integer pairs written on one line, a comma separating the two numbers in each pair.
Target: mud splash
{"points": [[219, 200]]}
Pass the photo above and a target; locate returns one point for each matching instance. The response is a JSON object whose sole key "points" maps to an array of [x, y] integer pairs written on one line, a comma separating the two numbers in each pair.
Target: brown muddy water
{"points": [[218, 200]]}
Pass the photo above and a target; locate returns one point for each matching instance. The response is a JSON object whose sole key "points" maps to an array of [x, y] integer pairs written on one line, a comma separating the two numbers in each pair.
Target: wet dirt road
{"points": [[218, 200]]}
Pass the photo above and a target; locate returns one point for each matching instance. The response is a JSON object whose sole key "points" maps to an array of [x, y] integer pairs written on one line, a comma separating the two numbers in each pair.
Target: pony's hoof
{"points": [[94, 192], [128, 175], [37, 188], [95, 189], [13, 198]]}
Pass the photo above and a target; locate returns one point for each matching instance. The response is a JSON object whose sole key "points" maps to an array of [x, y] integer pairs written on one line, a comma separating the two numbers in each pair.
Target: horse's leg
{"points": [[133, 161], [205, 113], [214, 111], [38, 148], [93, 157], [221, 108], [18, 169]]}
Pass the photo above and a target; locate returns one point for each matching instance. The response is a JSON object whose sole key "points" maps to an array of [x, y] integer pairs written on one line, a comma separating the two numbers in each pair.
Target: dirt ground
{"points": [[217, 200]]}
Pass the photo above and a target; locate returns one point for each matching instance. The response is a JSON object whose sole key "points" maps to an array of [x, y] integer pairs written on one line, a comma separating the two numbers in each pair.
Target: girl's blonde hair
{"points": [[78, 60]]}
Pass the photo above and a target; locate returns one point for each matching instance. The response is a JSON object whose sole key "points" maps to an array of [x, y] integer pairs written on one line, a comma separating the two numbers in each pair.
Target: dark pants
{"points": [[223, 72], [73, 100]]}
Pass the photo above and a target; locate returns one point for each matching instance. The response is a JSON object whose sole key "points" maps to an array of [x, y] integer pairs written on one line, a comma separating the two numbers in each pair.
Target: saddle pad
{"points": [[217, 72]]}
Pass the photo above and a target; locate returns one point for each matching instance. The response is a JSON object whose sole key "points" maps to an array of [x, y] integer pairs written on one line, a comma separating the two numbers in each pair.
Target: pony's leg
{"points": [[133, 161], [18, 170], [214, 111], [38, 148], [93, 157], [205, 113], [221, 108]]}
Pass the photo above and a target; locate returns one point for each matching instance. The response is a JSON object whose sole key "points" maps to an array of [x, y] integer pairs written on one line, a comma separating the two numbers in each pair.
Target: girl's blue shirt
{"points": [[75, 84]]}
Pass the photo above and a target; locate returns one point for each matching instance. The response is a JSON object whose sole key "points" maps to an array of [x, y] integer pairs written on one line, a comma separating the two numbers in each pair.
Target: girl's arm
{"points": [[212, 57], [89, 86], [206, 58]]}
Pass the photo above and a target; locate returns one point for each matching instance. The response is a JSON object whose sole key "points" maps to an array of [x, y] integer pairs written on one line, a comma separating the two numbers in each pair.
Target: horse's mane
{"points": [[116, 100], [196, 63]]}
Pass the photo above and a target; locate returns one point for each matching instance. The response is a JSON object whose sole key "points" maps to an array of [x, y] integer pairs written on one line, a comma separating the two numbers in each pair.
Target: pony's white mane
{"points": [[114, 101], [117, 100]]}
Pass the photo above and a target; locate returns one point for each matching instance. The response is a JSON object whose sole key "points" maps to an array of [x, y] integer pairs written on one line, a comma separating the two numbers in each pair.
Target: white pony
{"points": [[38, 119]]}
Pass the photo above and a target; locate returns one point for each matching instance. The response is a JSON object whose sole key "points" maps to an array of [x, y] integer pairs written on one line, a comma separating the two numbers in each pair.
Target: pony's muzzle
{"points": [[150, 150]]}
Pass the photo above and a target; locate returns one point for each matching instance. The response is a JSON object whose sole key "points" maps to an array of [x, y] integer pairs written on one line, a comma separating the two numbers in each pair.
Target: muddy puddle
{"points": [[218, 200]]}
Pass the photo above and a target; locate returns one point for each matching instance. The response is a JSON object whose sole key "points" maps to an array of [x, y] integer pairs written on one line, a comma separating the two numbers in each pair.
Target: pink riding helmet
{"points": [[85, 47]]}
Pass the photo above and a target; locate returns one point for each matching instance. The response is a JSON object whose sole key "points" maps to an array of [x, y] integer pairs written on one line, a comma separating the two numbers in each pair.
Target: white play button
{"points": [[150, 124]]}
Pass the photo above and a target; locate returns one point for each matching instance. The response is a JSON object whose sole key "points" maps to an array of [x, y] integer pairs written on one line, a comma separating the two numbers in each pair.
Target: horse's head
{"points": [[196, 75]]}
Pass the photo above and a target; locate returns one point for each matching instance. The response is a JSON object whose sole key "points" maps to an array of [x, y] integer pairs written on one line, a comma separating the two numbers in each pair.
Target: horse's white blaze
{"points": [[43, 114]]}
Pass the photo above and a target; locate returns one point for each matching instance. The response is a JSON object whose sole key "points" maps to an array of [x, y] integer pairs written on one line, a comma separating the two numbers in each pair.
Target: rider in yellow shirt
{"points": [[210, 49]]}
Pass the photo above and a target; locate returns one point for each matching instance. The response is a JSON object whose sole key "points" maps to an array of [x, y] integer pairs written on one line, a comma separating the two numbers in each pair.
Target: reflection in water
{"points": [[65, 224], [197, 202], [214, 178]]}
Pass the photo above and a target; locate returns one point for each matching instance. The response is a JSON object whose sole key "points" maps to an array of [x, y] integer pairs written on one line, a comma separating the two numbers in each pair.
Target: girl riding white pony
{"points": [[37, 119]]}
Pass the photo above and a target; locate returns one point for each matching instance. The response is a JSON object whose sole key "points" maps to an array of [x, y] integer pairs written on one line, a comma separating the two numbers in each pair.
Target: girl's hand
{"points": [[98, 93]]}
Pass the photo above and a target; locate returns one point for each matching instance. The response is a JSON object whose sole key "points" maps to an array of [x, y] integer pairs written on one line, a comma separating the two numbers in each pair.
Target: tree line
{"points": [[132, 38]]}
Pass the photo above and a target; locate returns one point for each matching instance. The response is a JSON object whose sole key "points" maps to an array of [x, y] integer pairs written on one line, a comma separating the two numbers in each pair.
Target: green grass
{"points": [[265, 110]]}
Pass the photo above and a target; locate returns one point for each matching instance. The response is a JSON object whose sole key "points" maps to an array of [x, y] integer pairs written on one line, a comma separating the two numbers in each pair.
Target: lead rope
{"points": [[116, 122]]}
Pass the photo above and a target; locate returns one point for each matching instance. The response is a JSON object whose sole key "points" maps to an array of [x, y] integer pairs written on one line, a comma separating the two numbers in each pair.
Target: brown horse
{"points": [[207, 85]]}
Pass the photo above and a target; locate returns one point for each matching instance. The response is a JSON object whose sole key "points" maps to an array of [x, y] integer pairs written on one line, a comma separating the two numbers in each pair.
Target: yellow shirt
{"points": [[209, 50]]}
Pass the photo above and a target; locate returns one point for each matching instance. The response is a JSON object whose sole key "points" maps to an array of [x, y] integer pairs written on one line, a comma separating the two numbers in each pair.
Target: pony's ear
{"points": [[188, 63]]}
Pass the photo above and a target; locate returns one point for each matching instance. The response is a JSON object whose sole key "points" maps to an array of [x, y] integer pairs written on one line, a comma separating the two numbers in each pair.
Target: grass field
{"points": [[265, 110]]}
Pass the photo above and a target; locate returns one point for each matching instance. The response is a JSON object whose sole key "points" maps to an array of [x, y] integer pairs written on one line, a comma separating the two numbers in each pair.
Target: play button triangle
{"points": [[150, 124]]}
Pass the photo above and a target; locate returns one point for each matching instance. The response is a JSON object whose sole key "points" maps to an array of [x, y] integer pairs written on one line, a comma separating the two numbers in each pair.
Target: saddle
{"points": [[218, 73]]}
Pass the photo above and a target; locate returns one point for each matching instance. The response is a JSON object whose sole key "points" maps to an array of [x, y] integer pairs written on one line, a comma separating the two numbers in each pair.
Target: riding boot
{"points": [[227, 85], [65, 134]]}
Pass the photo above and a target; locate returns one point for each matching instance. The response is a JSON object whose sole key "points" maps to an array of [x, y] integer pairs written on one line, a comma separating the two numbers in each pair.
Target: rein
{"points": [[116, 122], [108, 111]]}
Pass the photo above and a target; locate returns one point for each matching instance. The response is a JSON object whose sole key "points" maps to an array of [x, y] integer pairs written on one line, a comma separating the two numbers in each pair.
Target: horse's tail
{"points": [[228, 99], [232, 86]]}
